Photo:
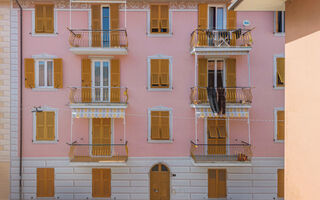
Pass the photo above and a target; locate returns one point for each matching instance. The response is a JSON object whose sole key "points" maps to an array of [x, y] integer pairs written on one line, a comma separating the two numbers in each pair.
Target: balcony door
{"points": [[216, 73], [106, 26], [216, 18], [216, 136], [101, 135], [101, 81]]}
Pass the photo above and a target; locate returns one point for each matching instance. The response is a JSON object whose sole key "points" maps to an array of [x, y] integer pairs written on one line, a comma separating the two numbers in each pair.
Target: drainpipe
{"points": [[21, 62]]}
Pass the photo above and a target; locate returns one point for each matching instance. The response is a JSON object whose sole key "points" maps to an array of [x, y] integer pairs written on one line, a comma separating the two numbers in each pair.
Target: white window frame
{"points": [[90, 137], [55, 26], [101, 76], [224, 70], [45, 60], [34, 125], [160, 108], [224, 14], [159, 56], [149, 34], [275, 139], [275, 71], [281, 34]]}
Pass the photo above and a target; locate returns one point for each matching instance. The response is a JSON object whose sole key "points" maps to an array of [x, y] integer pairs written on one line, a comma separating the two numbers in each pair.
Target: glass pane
{"points": [[105, 26], [49, 73], [212, 18], [105, 74], [155, 168], [164, 168], [41, 73], [219, 18], [97, 81]]}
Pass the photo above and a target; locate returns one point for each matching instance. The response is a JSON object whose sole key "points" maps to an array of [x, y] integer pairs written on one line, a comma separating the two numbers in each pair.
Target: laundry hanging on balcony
{"points": [[98, 113], [230, 112], [217, 100]]}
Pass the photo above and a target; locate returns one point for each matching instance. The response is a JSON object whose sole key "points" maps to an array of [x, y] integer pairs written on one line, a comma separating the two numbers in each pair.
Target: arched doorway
{"points": [[159, 182]]}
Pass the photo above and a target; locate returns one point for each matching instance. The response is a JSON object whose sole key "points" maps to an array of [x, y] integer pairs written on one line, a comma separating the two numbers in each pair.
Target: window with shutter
{"points": [[44, 18], [160, 125], [101, 182], [159, 19], [45, 126], [86, 80], [58, 73], [280, 183], [280, 125], [159, 73], [29, 73], [216, 134], [45, 182], [280, 73], [217, 183], [202, 80]]}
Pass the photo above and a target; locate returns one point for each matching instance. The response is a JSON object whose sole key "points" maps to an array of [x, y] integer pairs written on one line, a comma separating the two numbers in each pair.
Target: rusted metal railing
{"points": [[220, 152], [103, 94], [98, 152], [221, 38], [243, 95], [98, 38]]}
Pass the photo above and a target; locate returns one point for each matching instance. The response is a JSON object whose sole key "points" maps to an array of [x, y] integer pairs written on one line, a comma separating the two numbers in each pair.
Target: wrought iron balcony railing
{"points": [[220, 152], [98, 152], [242, 95], [99, 94], [217, 38], [98, 38]]}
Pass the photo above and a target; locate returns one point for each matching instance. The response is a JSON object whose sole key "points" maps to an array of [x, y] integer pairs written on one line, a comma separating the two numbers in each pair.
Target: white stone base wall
{"points": [[131, 181]]}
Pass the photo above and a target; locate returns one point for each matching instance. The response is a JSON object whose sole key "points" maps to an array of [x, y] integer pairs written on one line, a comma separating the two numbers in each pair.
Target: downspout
{"points": [[21, 56]]}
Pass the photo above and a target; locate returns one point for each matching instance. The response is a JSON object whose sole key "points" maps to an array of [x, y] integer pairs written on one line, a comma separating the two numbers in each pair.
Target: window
{"points": [[159, 73], [216, 135], [279, 22], [216, 18], [279, 72], [45, 126], [43, 73], [45, 182], [280, 183], [44, 18], [159, 19], [160, 124], [101, 182], [279, 124], [217, 183]]}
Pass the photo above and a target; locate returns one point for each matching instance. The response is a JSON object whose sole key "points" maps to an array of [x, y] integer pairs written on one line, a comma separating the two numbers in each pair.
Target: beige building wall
{"points": [[302, 145], [4, 99]]}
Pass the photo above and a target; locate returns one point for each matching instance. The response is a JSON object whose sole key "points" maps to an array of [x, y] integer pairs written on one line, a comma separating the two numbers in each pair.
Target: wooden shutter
{"points": [[203, 16], [159, 19], [58, 73], [231, 78], [86, 80], [101, 182], [96, 25], [280, 72], [45, 126], [202, 79], [217, 133], [154, 19], [114, 25], [164, 73], [101, 134], [155, 125], [165, 125], [155, 76], [29, 73], [45, 182], [49, 19], [44, 18], [50, 125], [231, 19], [40, 125], [115, 80], [280, 183], [164, 19], [39, 22], [280, 125], [217, 184]]}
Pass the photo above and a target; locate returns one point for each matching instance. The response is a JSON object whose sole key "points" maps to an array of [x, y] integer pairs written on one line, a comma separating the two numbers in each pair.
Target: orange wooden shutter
{"points": [[164, 73], [280, 125], [165, 125], [154, 19], [101, 182], [280, 183], [49, 18], [222, 183], [155, 125], [40, 126], [58, 73], [155, 76], [96, 25], [107, 181], [203, 16], [212, 183], [114, 25], [50, 125], [45, 182], [39, 22], [86, 80], [231, 80], [96, 185], [231, 19], [202, 79], [115, 80], [29, 73], [106, 135], [164, 19], [280, 72], [217, 183]]}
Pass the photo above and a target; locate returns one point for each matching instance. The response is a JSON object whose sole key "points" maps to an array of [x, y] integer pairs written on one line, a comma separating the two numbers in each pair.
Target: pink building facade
{"points": [[120, 95]]}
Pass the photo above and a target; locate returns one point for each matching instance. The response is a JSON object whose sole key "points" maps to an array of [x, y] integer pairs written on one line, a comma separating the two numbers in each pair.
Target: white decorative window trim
{"points": [[159, 56], [34, 126], [55, 25], [36, 70], [275, 71], [160, 108], [44, 56], [276, 124], [159, 35]]}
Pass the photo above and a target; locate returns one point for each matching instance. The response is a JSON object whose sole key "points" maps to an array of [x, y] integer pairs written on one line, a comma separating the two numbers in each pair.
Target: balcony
{"points": [[98, 42], [225, 153], [221, 42], [98, 152]]}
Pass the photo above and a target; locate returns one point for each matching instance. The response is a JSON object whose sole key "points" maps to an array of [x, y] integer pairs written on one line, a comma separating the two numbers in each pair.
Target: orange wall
{"points": [[302, 100]]}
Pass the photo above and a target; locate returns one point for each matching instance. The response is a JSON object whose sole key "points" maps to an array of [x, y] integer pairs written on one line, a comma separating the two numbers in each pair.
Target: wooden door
{"points": [[101, 135], [216, 134], [159, 182]]}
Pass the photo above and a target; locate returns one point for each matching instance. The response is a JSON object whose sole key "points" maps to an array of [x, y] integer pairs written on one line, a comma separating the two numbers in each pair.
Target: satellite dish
{"points": [[246, 23]]}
